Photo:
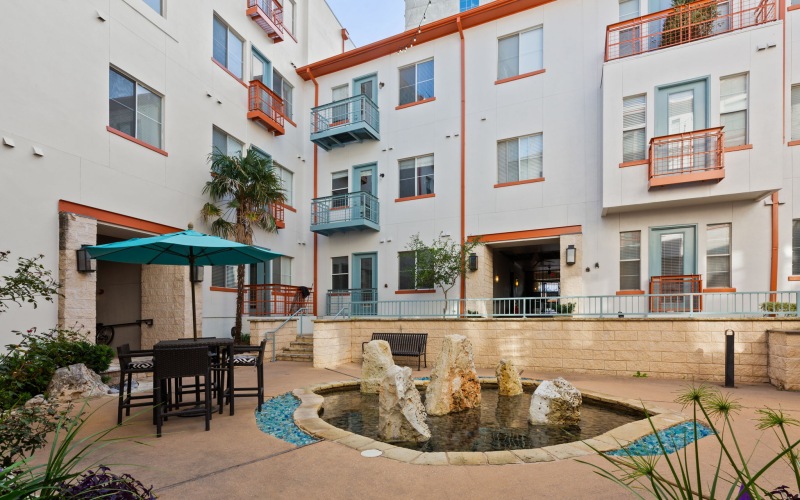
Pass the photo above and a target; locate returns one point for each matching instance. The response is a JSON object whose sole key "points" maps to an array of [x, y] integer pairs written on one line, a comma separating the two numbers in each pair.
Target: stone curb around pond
{"points": [[307, 418]]}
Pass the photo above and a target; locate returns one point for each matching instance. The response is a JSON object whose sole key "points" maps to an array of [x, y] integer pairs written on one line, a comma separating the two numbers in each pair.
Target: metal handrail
{"points": [[341, 311], [275, 331]]}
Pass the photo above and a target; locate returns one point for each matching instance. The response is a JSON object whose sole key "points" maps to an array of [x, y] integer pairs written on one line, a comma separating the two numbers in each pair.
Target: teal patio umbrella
{"points": [[184, 248]]}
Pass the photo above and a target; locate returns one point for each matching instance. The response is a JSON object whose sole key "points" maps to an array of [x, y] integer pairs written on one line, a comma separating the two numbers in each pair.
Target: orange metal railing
{"points": [[268, 14], [262, 99], [688, 157], [676, 293], [684, 24], [272, 299], [277, 212]]}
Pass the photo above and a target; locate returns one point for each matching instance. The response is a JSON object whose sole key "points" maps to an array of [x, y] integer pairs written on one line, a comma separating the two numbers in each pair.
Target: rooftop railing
{"points": [[688, 157], [685, 24]]}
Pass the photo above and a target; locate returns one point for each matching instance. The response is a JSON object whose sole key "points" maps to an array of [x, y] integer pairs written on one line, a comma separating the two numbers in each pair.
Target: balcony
{"points": [[676, 294], [277, 212], [352, 302], [343, 122], [268, 14], [265, 107], [685, 24], [276, 300], [683, 158], [345, 212]]}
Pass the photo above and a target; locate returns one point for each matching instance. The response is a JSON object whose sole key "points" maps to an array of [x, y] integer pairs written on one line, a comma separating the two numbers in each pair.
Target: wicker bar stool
{"points": [[130, 363], [177, 363]]}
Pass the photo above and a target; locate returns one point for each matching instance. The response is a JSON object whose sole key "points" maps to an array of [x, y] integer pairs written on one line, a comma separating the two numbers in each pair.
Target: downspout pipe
{"points": [[463, 154], [316, 156], [773, 275]]}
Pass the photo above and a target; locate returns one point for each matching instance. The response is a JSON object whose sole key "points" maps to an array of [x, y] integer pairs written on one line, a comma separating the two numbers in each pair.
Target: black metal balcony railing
{"points": [[685, 24]]}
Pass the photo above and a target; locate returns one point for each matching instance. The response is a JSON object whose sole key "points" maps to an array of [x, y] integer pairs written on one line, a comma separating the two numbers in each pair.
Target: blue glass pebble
{"points": [[673, 439], [275, 419]]}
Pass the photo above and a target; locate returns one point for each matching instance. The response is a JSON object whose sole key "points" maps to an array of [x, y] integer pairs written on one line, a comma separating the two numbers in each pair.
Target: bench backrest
{"points": [[404, 342]]}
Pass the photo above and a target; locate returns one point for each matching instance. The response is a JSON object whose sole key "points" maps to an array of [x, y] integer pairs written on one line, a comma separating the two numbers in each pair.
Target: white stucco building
{"points": [[597, 147]]}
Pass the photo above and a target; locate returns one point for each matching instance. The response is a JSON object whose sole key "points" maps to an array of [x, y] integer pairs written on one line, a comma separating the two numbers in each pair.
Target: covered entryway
{"points": [[526, 269]]}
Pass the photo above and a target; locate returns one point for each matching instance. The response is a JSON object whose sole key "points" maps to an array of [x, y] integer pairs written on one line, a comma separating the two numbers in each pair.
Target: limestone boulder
{"points": [[508, 381], [401, 416], [555, 402], [377, 361], [75, 382], [454, 384]]}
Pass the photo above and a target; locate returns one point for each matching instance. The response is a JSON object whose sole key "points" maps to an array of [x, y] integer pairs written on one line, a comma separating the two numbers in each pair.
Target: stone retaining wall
{"points": [[784, 359], [679, 348], [260, 327]]}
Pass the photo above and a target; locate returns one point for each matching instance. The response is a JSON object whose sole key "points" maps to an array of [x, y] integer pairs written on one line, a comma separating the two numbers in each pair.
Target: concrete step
{"points": [[299, 350], [304, 345], [283, 356]]}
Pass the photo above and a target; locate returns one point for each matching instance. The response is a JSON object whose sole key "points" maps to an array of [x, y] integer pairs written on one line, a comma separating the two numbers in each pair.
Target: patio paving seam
{"points": [[342, 373], [229, 468]]}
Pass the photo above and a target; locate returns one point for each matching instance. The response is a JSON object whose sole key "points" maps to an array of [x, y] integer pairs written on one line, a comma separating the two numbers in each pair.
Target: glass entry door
{"points": [[365, 284], [681, 109], [260, 297], [368, 86], [673, 270], [364, 181]]}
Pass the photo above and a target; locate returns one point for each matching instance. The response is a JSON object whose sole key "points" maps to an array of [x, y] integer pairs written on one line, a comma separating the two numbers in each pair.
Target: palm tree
{"points": [[242, 190]]}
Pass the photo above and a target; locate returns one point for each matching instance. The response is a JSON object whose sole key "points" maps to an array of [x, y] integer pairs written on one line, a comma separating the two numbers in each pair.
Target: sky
{"points": [[368, 21]]}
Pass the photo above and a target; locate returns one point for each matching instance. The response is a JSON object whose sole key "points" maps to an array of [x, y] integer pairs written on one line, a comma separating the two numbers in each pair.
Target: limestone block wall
{"points": [[76, 306], [784, 359], [691, 349], [260, 327], [480, 283], [167, 299], [334, 344], [572, 276]]}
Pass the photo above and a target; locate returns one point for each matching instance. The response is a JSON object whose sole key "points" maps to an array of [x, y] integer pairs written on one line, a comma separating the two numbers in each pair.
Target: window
{"points": [[796, 247], [156, 5], [260, 68], [718, 256], [520, 53], [628, 9], [228, 48], [287, 181], [795, 112], [223, 276], [282, 270], [409, 265], [630, 260], [134, 109], [225, 144], [733, 109], [519, 159], [339, 190], [416, 82], [284, 90], [288, 15], [467, 4], [634, 130], [416, 176], [339, 113], [340, 274]]}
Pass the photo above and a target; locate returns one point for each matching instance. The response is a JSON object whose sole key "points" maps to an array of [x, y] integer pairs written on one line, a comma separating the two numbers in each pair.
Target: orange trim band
{"points": [[115, 218], [738, 148], [404, 106], [407, 292], [792, 7], [706, 175], [794, 278], [463, 174], [290, 122], [519, 77], [517, 183], [719, 290], [797, 142], [773, 278], [634, 163], [530, 234], [136, 141], [630, 292], [412, 198], [456, 23], [222, 289], [229, 72], [287, 207]]}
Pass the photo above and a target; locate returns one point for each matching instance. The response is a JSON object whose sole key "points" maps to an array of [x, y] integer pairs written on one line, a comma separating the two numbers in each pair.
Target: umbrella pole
{"points": [[191, 285]]}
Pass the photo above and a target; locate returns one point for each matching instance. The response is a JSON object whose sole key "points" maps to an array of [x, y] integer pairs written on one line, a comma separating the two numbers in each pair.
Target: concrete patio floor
{"points": [[237, 460]]}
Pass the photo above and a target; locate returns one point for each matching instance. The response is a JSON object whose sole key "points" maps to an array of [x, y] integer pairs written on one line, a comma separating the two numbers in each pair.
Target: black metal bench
{"points": [[405, 344]]}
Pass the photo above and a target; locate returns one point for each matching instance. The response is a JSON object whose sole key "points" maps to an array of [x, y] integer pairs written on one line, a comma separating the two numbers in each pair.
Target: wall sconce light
{"points": [[597, 265], [516, 281], [380, 85], [473, 262], [86, 264], [571, 255], [197, 273], [496, 278]]}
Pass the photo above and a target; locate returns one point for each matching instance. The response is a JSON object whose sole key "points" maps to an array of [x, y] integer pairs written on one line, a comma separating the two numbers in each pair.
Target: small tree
{"points": [[442, 262], [29, 283], [688, 23], [242, 189]]}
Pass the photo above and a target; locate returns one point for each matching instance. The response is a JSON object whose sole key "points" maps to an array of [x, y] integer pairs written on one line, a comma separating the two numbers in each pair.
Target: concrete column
{"points": [[572, 275], [480, 283], [167, 299], [77, 304]]}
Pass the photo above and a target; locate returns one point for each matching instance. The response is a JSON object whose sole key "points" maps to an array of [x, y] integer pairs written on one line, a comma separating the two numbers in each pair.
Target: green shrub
{"points": [[27, 368], [778, 307], [565, 308]]}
